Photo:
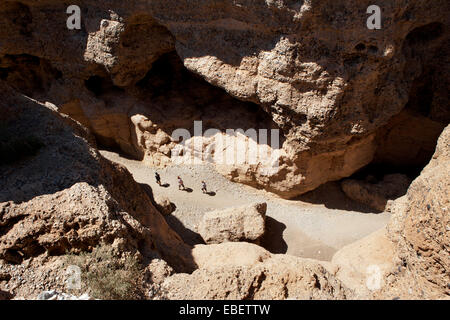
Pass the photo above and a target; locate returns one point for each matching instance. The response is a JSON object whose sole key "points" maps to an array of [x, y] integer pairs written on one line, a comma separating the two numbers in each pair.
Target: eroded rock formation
{"points": [[420, 224], [410, 258], [68, 199], [341, 95], [245, 223], [246, 271], [311, 69]]}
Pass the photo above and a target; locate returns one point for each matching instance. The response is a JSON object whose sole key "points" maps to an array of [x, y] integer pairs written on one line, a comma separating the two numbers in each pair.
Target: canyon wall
{"points": [[312, 69], [59, 196], [409, 258], [342, 96]]}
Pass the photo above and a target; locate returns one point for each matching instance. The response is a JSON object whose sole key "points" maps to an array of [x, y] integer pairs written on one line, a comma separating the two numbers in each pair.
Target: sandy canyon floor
{"points": [[315, 225]]}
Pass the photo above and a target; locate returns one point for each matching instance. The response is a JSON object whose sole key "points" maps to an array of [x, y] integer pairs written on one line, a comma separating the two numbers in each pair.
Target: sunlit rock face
{"points": [[312, 68]]}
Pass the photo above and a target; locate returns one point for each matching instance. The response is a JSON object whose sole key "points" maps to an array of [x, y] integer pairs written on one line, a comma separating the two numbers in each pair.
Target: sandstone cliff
{"points": [[311, 69], [342, 96]]}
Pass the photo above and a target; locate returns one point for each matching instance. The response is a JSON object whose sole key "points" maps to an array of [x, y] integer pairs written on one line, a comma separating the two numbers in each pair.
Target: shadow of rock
{"points": [[332, 197], [187, 235], [272, 239], [4, 295], [165, 208]]}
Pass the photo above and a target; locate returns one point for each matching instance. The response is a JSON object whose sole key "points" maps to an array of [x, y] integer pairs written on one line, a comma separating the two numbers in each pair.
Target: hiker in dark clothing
{"points": [[180, 184], [204, 190], [158, 178]]}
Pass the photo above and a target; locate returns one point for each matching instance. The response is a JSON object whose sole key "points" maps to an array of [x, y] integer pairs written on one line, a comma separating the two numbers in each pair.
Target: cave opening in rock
{"points": [[169, 98], [95, 84]]}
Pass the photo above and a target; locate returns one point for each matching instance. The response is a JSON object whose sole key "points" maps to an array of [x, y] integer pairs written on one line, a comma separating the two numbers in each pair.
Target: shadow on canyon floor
{"points": [[273, 239], [332, 197], [189, 237]]}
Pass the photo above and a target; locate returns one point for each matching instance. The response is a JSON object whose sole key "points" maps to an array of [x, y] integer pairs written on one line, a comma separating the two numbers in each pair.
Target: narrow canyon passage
{"points": [[294, 227], [323, 144], [315, 225]]}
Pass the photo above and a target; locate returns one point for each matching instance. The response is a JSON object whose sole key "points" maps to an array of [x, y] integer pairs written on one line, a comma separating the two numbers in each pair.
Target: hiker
{"points": [[180, 184], [204, 190], [158, 178]]}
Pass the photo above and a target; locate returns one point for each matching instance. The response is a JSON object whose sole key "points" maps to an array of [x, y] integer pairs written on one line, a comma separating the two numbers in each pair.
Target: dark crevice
{"points": [[317, 282], [376, 171], [100, 85], [28, 74], [424, 34], [95, 84], [407, 143], [360, 47], [5, 228], [255, 286], [421, 94], [373, 49]]}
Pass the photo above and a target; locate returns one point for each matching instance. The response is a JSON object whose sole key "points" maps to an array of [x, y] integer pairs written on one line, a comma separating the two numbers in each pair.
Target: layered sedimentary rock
{"points": [[341, 95], [312, 69], [326, 80], [420, 225]]}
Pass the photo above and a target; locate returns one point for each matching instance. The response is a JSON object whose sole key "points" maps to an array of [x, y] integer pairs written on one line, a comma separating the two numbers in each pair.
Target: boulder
{"points": [[376, 194], [246, 223], [364, 266], [310, 69], [228, 254], [235, 275]]}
